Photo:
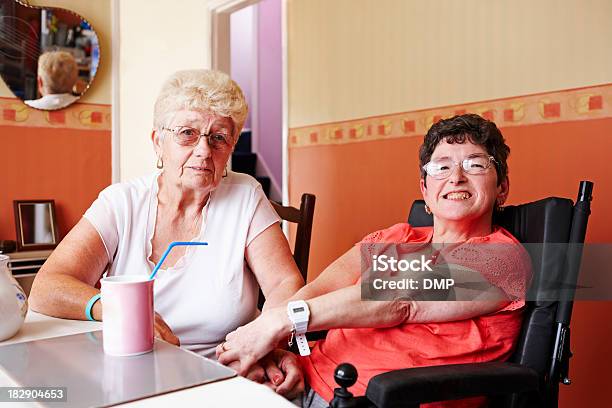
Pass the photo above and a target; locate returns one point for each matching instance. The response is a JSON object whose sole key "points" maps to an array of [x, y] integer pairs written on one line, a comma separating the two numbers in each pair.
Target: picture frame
{"points": [[35, 224]]}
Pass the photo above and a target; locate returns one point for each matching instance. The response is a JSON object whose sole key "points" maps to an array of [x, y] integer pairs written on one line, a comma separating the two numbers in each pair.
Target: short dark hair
{"points": [[469, 127]]}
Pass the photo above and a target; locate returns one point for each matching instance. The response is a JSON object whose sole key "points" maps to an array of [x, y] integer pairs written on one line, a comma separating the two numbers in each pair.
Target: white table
{"points": [[233, 392]]}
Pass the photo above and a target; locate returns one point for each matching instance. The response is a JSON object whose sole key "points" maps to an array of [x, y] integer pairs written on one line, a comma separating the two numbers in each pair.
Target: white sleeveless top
{"points": [[210, 291]]}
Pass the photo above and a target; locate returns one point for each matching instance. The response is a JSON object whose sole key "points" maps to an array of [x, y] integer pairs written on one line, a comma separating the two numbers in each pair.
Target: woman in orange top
{"points": [[464, 178]]}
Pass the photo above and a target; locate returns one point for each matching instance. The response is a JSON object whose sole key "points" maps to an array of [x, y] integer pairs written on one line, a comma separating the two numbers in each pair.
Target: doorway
{"points": [[247, 43]]}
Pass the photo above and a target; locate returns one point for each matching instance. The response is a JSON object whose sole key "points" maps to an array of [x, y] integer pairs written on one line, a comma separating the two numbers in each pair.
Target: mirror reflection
{"points": [[48, 56], [37, 226]]}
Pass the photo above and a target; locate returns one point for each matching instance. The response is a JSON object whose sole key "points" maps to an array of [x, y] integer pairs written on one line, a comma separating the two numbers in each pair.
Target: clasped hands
{"points": [[252, 350]]}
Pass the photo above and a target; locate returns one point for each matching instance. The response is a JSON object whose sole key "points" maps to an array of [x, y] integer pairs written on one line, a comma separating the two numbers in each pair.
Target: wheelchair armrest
{"points": [[440, 383]]}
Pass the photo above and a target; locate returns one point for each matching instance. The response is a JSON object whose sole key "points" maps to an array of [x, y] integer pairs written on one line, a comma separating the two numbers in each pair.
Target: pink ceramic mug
{"points": [[127, 315]]}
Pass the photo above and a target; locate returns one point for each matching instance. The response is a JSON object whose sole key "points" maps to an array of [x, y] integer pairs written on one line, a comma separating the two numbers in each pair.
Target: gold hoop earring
{"points": [[160, 163], [225, 172], [427, 209]]}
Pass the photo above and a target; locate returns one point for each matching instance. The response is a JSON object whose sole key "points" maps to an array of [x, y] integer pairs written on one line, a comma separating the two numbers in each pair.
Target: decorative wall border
{"points": [[13, 112], [575, 104]]}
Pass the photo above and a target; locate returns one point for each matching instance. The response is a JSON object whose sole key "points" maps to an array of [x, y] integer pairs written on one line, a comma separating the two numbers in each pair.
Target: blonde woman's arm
{"points": [[271, 261]]}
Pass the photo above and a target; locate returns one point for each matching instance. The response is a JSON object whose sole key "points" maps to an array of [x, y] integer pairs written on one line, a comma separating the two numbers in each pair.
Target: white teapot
{"points": [[13, 302]]}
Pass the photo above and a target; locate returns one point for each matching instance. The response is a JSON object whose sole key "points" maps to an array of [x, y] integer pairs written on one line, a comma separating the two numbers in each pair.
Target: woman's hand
{"points": [[284, 373], [256, 373], [250, 343], [279, 370], [164, 332]]}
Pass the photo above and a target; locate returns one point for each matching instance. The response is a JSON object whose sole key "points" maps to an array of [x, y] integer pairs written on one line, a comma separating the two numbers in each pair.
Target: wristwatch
{"points": [[299, 314]]}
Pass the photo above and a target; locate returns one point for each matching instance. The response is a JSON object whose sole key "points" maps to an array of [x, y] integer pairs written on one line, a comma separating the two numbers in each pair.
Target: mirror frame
{"points": [[22, 246], [25, 3]]}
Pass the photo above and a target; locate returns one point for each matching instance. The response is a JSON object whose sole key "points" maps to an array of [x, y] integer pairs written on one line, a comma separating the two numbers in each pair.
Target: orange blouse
{"points": [[479, 339]]}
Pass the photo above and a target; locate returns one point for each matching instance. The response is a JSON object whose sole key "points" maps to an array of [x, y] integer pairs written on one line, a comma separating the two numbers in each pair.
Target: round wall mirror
{"points": [[48, 56]]}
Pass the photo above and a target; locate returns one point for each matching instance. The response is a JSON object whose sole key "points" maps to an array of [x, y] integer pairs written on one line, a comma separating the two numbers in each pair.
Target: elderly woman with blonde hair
{"points": [[201, 293], [57, 74]]}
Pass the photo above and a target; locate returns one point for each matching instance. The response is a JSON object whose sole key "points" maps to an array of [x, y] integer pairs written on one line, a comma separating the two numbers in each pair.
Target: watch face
{"points": [[298, 309]]}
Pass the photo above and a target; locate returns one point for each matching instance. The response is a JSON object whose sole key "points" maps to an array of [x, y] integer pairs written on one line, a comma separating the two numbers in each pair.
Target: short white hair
{"points": [[58, 71], [201, 89]]}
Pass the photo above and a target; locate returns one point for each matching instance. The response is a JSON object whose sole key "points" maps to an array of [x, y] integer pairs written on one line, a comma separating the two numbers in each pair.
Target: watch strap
{"points": [[300, 327], [302, 344]]}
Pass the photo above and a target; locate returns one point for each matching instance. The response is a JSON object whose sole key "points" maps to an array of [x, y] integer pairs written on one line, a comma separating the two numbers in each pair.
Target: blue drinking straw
{"points": [[172, 245]]}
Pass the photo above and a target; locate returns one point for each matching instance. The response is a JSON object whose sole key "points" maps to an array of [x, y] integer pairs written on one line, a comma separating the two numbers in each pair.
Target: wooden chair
{"points": [[303, 217]]}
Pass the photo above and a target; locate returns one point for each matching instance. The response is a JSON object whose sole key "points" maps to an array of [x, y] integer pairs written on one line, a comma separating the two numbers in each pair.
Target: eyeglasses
{"points": [[188, 136], [443, 168]]}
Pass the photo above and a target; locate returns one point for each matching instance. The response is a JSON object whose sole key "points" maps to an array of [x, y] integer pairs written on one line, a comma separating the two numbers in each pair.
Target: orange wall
{"points": [[364, 186], [70, 165]]}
